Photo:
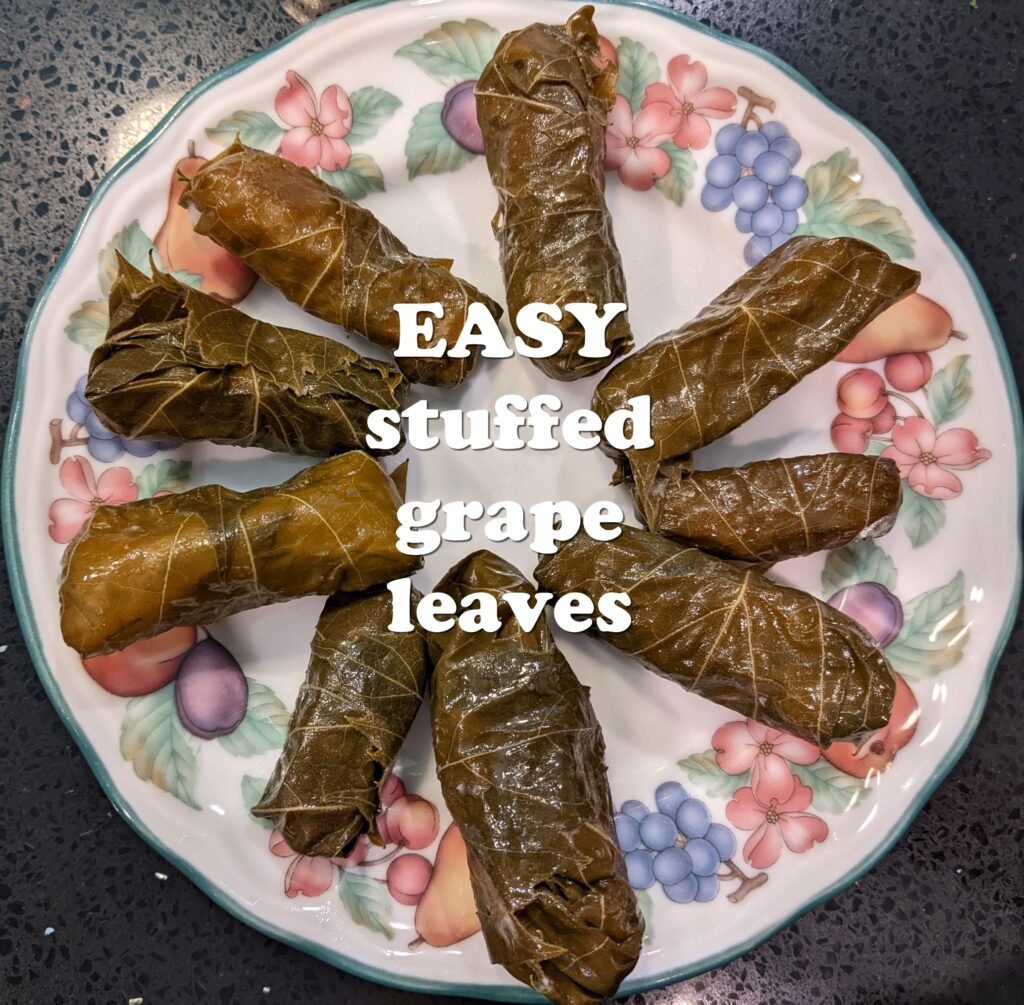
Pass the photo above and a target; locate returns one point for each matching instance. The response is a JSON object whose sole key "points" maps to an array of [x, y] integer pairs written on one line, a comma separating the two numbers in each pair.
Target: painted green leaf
{"points": [[703, 770], [254, 129], [860, 562], [638, 67], [366, 901], [454, 51], [132, 242], [87, 327], [834, 790], [949, 390], [263, 727], [252, 792], [429, 148], [371, 108], [922, 518], [192, 279], [679, 179], [159, 748], [875, 447], [362, 176], [646, 905], [835, 208], [163, 476], [935, 631]]}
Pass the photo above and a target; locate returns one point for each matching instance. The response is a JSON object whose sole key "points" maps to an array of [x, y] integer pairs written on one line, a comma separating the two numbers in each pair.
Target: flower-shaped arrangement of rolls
{"points": [[548, 878]]}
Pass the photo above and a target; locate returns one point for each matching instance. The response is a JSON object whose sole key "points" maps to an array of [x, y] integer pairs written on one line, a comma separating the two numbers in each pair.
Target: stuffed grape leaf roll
{"points": [[363, 688], [136, 570], [780, 321], [769, 511], [177, 364], [520, 758], [543, 104], [330, 256], [770, 652]]}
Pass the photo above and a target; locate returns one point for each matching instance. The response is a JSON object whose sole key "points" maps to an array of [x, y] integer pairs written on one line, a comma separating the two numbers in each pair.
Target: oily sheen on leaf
{"points": [[766, 651], [363, 687], [520, 757], [329, 255], [780, 321], [191, 559], [178, 364], [769, 511], [543, 105]]}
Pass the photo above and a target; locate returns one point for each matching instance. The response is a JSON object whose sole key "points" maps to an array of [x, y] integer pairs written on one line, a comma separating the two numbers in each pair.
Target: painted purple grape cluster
{"points": [[753, 169], [104, 445], [676, 845]]}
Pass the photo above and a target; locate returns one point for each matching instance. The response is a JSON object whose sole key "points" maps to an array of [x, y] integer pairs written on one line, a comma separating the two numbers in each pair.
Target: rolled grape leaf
{"points": [[191, 559], [520, 757], [543, 105], [330, 256], [178, 364], [769, 652], [780, 321], [772, 510], [363, 688]]}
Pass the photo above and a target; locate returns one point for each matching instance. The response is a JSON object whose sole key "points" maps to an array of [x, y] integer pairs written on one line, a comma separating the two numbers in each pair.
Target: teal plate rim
{"points": [[497, 992]]}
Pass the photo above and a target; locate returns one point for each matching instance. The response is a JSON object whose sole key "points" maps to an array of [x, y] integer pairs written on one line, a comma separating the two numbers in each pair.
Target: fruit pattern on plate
{"points": [[186, 688], [902, 411], [753, 169], [369, 880], [678, 848], [87, 430]]}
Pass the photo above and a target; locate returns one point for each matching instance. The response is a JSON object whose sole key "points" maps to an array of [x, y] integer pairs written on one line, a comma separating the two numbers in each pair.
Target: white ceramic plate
{"points": [[951, 565]]}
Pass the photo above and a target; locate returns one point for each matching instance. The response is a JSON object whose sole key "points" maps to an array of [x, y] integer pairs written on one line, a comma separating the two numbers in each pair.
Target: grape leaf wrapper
{"points": [[520, 757], [191, 559], [543, 103], [363, 688], [766, 651], [179, 365], [769, 511], [780, 321], [330, 256]]}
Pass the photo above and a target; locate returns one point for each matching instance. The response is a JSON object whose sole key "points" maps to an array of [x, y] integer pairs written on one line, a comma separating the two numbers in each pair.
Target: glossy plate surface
{"points": [[940, 589]]}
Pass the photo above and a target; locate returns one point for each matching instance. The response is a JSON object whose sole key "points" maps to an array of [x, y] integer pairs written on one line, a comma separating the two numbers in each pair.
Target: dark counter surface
{"points": [[85, 915]]}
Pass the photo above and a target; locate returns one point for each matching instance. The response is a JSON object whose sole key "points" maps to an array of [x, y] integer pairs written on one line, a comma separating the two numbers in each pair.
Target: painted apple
{"points": [[144, 666], [879, 750], [225, 277]]}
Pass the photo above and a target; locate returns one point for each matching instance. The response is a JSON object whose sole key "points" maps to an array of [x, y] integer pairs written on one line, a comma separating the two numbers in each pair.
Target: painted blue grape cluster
{"points": [[754, 171], [675, 845], [104, 445]]}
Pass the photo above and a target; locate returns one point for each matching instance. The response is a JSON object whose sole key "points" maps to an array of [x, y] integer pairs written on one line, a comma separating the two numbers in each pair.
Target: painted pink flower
{"points": [[775, 815], [317, 136], [690, 102], [764, 752], [306, 875], [927, 461], [632, 144], [114, 487]]}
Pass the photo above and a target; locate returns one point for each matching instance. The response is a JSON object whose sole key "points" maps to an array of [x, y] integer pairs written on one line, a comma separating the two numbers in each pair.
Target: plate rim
{"points": [[223, 899]]}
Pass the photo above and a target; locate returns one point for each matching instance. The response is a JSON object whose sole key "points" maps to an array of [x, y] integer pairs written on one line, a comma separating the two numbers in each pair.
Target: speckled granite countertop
{"points": [[85, 915]]}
